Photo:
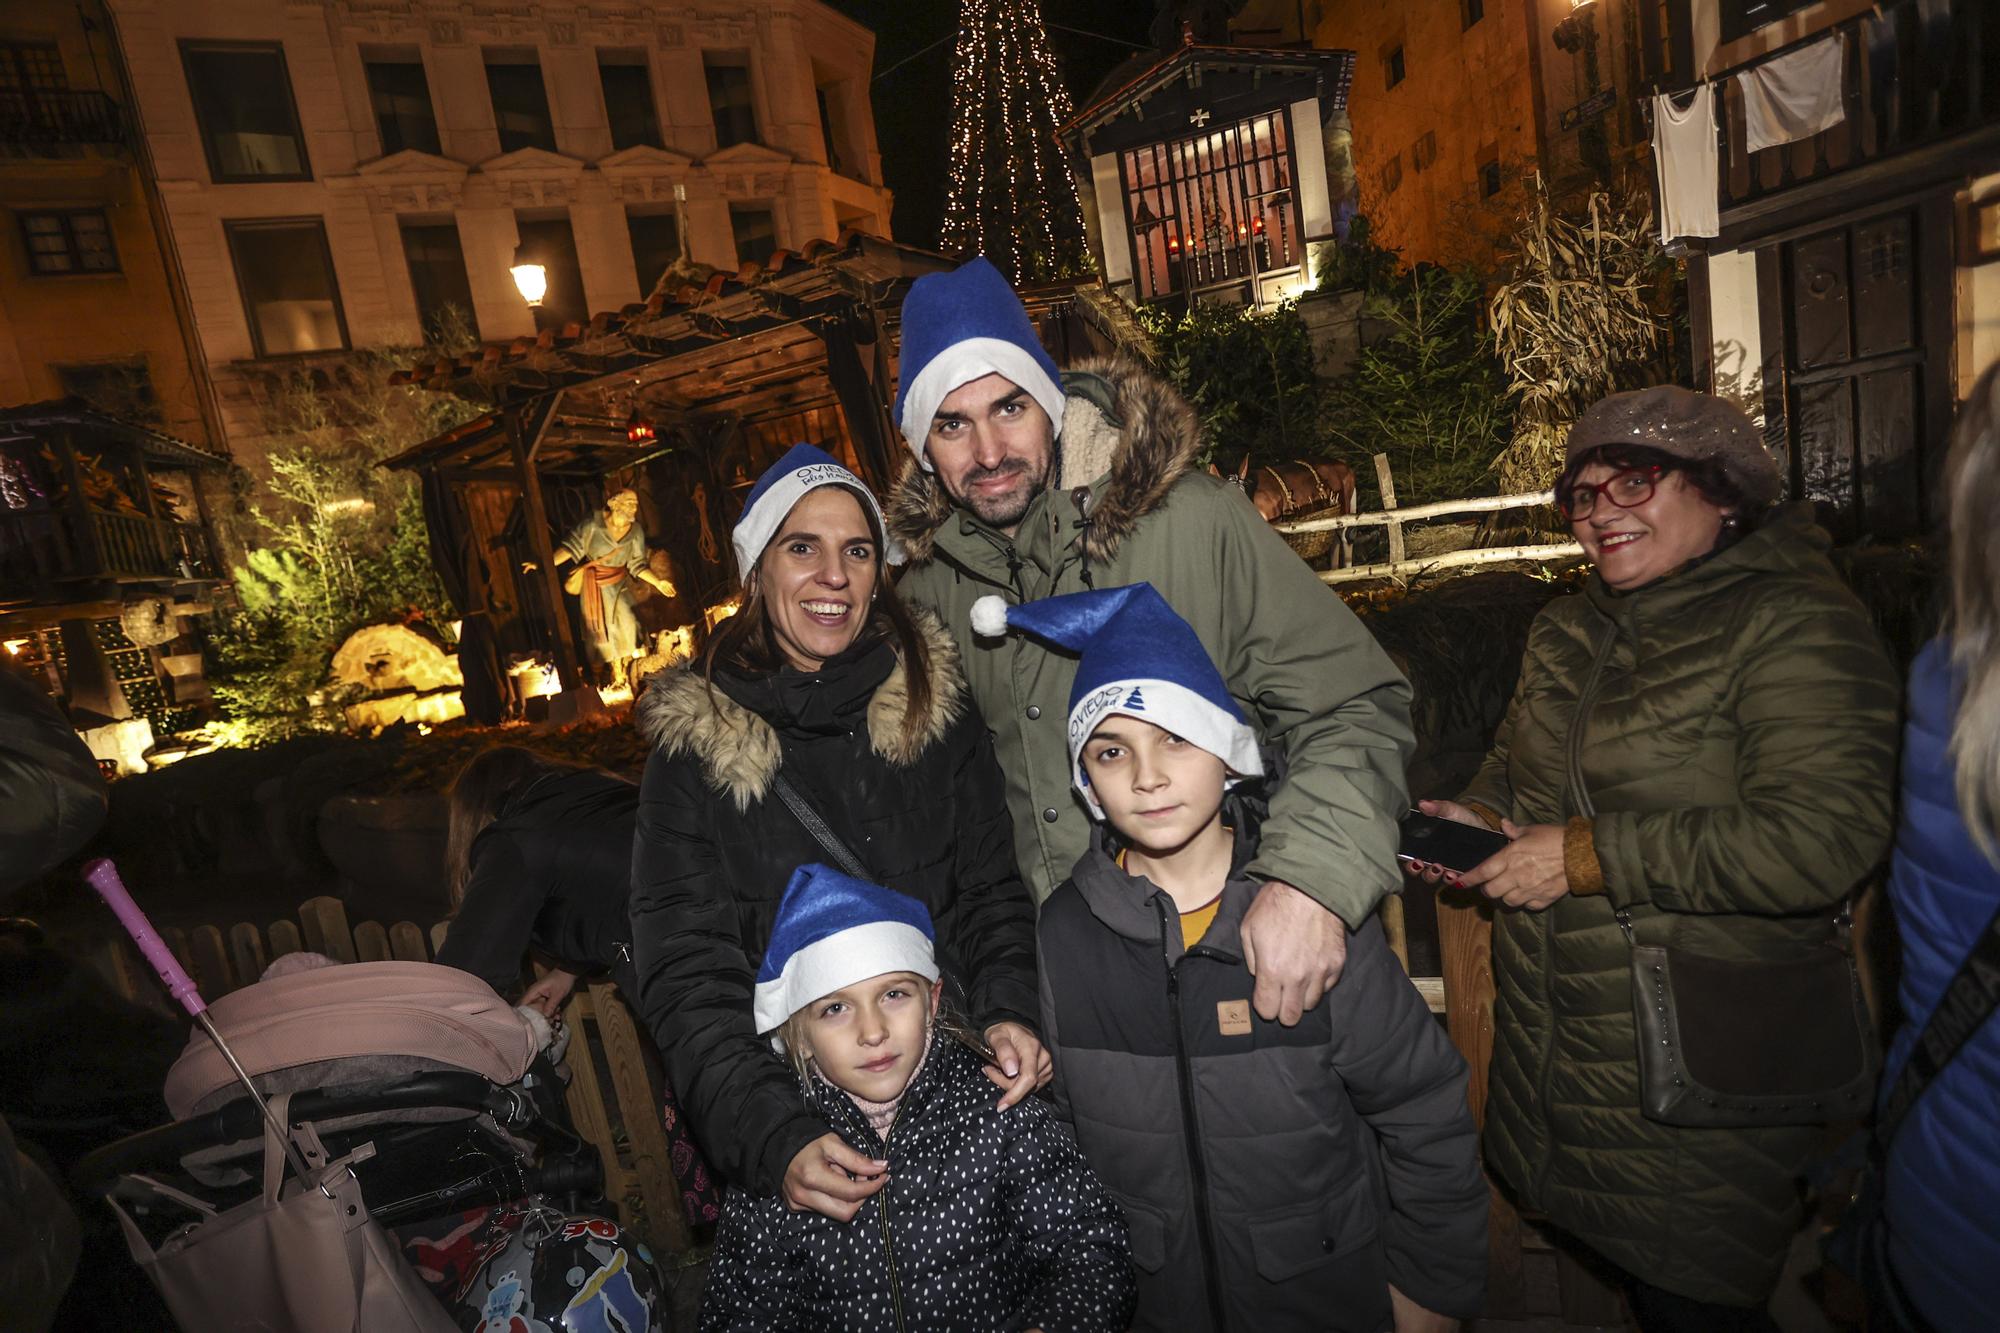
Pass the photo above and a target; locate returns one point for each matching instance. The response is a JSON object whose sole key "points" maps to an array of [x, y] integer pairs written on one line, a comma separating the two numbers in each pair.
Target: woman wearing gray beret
{"points": [[1700, 755]]}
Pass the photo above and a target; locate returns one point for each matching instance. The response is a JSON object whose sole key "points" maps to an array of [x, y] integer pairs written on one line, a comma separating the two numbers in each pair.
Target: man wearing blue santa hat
{"points": [[1028, 482]]}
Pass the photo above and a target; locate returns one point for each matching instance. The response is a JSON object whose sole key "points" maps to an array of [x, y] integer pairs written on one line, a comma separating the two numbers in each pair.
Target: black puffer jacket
{"points": [[991, 1220], [1276, 1179], [553, 870], [716, 847]]}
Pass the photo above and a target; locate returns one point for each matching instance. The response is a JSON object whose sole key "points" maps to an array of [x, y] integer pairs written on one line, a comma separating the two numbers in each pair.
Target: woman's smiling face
{"points": [[1632, 547], [818, 577]]}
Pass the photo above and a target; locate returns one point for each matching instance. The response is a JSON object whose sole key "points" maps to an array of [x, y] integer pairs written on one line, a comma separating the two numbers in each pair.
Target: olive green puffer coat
{"points": [[1740, 749]]}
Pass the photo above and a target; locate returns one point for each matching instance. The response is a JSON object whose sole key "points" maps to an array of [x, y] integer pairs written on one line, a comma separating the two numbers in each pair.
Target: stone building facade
{"points": [[340, 174], [1455, 104], [87, 307]]}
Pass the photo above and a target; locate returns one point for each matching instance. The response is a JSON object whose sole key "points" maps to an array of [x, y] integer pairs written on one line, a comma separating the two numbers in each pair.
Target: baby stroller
{"points": [[431, 1092]]}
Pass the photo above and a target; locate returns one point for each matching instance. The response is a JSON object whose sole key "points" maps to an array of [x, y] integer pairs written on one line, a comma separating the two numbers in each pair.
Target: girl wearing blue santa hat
{"points": [[978, 1217], [1318, 1177], [823, 722]]}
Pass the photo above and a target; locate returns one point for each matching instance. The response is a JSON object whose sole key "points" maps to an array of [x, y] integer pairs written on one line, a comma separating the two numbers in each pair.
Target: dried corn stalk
{"points": [[1575, 322]]}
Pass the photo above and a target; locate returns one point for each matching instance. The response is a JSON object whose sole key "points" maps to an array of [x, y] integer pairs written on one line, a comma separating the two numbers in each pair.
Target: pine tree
{"points": [[1012, 197]]}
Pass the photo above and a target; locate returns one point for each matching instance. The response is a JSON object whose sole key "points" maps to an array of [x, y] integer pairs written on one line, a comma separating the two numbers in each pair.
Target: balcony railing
{"points": [[1904, 86], [38, 118], [43, 547]]}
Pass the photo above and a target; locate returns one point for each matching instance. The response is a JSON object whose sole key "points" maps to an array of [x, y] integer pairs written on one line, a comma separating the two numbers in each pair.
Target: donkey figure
{"points": [[1290, 490]]}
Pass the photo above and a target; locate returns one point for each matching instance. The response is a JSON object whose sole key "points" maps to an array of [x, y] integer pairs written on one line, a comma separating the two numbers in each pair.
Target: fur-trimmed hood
{"points": [[739, 751], [1122, 423]]}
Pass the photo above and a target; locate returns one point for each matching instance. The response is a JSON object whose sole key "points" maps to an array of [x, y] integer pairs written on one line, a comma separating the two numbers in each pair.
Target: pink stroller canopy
{"points": [[416, 1011]]}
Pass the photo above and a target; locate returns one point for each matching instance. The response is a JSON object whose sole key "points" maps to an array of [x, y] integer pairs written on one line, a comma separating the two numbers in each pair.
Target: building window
{"points": [[1470, 12], [520, 102], [437, 276], [1393, 69], [122, 389], [826, 135], [835, 123], [628, 99], [656, 244], [1425, 152], [756, 234], [243, 101], [286, 275], [1489, 178], [1392, 175], [31, 67], [729, 99], [402, 101], [1215, 207], [76, 241], [551, 241]]}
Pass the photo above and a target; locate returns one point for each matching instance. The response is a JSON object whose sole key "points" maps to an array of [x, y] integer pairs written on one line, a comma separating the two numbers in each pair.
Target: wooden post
{"points": [[87, 545], [639, 1106], [1388, 485], [569, 662]]}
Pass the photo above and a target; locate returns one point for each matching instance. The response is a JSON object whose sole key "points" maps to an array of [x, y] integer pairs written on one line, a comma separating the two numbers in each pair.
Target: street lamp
{"points": [[531, 276]]}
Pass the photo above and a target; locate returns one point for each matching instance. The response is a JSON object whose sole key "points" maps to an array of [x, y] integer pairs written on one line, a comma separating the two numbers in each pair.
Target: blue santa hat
{"points": [[962, 326], [782, 486], [833, 930], [1136, 658]]}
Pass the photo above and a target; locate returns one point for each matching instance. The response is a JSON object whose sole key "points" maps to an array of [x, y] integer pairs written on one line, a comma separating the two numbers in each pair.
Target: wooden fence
{"points": [[613, 1096], [1398, 565]]}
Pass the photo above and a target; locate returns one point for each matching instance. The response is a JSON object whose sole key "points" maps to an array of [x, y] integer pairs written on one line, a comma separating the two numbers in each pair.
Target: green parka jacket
{"points": [[1740, 749], [1299, 663]]}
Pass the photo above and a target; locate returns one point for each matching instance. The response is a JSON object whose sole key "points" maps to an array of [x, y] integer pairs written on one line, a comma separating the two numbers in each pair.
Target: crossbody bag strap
{"points": [[822, 834], [1971, 997]]}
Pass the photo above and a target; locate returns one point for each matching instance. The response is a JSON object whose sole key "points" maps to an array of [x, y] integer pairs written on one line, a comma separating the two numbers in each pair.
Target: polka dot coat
{"points": [[991, 1221]]}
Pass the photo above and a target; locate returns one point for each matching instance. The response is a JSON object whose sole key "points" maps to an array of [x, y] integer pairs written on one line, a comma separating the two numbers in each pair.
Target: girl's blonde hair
{"points": [[1972, 516]]}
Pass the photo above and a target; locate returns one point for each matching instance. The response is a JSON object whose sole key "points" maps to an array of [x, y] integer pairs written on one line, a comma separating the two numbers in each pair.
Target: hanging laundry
{"points": [[1684, 148], [1795, 96]]}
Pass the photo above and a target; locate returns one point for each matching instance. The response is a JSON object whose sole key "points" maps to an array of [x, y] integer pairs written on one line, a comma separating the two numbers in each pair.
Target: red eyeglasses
{"points": [[1628, 489]]}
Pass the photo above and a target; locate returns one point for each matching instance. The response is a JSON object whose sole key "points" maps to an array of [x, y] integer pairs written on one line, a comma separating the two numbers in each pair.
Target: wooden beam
{"points": [[569, 661]]}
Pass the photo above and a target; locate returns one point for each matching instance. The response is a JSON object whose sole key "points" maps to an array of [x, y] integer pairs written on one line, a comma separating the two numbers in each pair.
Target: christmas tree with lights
{"points": [[1012, 197]]}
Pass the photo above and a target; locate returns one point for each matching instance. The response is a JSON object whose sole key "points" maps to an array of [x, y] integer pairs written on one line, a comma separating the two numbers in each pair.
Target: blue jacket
{"points": [[1944, 1165]]}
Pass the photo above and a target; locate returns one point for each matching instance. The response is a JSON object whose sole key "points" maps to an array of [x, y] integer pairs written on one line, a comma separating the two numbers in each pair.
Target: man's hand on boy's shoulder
{"points": [[1295, 948], [1020, 1062]]}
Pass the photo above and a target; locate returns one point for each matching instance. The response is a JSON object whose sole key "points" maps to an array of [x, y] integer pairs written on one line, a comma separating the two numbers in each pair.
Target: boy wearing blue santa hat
{"points": [[1322, 1176]]}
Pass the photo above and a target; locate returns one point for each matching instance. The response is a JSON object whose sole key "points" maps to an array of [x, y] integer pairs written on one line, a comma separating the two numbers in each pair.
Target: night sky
{"points": [[913, 103]]}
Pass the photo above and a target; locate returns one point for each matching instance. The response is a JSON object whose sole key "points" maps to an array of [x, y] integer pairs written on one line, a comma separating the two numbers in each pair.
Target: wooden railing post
{"points": [[1387, 482]]}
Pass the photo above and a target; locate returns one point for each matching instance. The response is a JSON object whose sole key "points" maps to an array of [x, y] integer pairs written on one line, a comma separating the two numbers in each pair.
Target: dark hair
{"points": [[1708, 476], [481, 790], [743, 642]]}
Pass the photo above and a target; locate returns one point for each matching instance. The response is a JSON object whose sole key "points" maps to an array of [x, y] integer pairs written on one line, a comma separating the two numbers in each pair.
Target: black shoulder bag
{"points": [[1724, 1043], [822, 832], [1859, 1244]]}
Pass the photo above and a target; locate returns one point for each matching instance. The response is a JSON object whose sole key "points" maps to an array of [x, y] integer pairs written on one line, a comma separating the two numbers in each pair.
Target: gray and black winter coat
{"points": [[716, 846], [991, 1220], [1275, 1178]]}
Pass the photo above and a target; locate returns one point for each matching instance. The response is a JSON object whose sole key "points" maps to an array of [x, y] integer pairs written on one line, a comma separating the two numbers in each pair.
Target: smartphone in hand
{"points": [[1446, 842]]}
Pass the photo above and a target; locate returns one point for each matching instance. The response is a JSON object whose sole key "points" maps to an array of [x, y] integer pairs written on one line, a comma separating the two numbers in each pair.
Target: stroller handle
{"points": [[103, 877], [98, 1171]]}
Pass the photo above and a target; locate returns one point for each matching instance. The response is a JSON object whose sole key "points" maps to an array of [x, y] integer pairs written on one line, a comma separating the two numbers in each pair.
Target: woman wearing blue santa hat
{"points": [[824, 722]]}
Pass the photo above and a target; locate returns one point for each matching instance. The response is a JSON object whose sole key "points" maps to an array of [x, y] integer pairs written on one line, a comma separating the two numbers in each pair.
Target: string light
{"points": [[1011, 196]]}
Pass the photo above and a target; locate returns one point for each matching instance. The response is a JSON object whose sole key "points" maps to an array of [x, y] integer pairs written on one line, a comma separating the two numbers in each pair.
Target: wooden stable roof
{"points": [[1333, 72], [35, 418], [747, 345]]}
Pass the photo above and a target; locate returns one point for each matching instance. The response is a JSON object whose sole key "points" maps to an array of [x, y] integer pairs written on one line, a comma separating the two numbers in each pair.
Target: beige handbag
{"points": [[297, 1259]]}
